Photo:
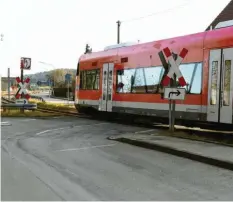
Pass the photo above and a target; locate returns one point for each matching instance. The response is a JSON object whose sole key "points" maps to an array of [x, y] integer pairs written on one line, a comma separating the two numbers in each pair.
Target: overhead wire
{"points": [[153, 14]]}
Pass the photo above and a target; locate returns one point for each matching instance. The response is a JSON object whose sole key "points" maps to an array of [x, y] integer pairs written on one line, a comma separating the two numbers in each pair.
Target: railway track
{"points": [[207, 131], [43, 109]]}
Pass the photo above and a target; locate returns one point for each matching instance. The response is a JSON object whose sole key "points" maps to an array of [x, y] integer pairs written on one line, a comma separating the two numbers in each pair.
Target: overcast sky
{"points": [[56, 31]]}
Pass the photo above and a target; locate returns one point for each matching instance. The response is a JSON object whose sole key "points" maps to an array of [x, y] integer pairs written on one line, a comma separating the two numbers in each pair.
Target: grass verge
{"points": [[62, 107], [203, 136], [17, 113]]}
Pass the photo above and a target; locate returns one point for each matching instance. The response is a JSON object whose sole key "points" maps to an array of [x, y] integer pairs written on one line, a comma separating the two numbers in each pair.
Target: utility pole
{"points": [[9, 83], [2, 35], [118, 31]]}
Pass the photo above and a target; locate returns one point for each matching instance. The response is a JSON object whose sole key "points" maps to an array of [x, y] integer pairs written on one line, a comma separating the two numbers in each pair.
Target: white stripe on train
{"points": [[143, 105]]}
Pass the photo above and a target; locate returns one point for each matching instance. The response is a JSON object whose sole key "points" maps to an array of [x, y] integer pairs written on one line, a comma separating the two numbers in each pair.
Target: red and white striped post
{"points": [[22, 88], [174, 66]]}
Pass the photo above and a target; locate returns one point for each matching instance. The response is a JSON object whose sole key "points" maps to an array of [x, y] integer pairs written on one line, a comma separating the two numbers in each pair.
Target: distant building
{"points": [[225, 15], [4, 83]]}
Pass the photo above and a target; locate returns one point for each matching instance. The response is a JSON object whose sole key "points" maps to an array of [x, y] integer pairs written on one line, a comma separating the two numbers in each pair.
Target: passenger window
{"points": [[153, 77], [89, 79], [193, 76], [196, 82], [227, 83], [97, 80], [139, 81], [214, 80], [125, 79]]}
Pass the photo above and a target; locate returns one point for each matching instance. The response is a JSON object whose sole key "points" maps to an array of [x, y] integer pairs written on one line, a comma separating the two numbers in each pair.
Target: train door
{"points": [[220, 92], [107, 87]]}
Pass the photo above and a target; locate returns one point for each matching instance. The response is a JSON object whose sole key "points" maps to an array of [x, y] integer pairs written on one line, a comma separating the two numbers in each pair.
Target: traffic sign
{"points": [[25, 63], [68, 77], [39, 83], [22, 88], [174, 93], [21, 101], [174, 66]]}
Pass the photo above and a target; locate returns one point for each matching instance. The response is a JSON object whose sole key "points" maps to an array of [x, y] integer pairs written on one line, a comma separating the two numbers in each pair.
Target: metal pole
{"points": [[118, 31], [173, 102], [9, 83], [50, 91], [68, 91], [22, 96], [170, 115]]}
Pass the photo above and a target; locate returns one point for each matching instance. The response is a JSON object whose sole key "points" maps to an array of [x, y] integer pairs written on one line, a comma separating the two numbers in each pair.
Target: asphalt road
{"points": [[47, 98], [71, 159]]}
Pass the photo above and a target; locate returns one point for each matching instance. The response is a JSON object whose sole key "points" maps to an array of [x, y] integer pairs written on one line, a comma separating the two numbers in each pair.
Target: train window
{"points": [[77, 73], [214, 80], [97, 80], [138, 84], [193, 76], [227, 84], [89, 79], [153, 77], [125, 79], [82, 79]]}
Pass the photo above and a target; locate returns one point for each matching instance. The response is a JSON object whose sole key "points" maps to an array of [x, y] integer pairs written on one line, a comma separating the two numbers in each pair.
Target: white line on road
{"points": [[47, 131], [6, 124], [56, 129], [24, 120], [84, 148], [145, 131]]}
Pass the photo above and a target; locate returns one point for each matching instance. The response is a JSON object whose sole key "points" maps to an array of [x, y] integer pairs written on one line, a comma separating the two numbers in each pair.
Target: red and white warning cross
{"points": [[22, 88], [174, 66]]}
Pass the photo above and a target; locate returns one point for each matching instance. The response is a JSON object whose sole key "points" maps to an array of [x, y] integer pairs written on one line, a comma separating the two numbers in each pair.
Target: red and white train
{"points": [[126, 78]]}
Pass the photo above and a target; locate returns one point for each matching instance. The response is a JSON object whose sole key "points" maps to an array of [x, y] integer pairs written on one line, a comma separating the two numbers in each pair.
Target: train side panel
{"points": [[142, 101], [138, 72]]}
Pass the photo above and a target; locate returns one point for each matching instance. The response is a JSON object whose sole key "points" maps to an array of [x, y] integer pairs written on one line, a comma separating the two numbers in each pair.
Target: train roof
{"points": [[206, 38]]}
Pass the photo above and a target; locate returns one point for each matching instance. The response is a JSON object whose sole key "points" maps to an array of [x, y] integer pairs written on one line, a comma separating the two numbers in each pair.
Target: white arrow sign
{"points": [[174, 93], [21, 101]]}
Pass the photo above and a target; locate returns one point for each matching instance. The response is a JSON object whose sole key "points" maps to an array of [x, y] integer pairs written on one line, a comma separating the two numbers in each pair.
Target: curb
{"points": [[176, 152]]}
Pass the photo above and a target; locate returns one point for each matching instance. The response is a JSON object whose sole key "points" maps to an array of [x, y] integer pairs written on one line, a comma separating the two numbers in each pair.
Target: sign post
{"points": [[68, 79], [9, 83], [25, 64], [173, 93]]}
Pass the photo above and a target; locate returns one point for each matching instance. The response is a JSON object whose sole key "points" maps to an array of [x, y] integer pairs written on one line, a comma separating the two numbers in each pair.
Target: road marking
{"points": [[56, 129], [6, 124], [47, 131], [28, 120], [145, 131], [85, 148]]}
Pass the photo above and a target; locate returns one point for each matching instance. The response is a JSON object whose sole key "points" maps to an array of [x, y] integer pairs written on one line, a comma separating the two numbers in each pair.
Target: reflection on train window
{"points": [[153, 78], [227, 83], [148, 79], [125, 79], [90, 79], [214, 80], [138, 84], [193, 76]]}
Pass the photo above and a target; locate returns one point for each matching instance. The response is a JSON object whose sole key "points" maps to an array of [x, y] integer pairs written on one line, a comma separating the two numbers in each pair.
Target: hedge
{"points": [[62, 92]]}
